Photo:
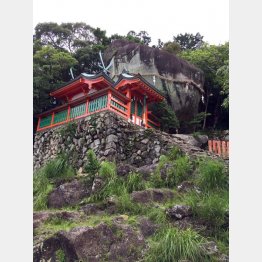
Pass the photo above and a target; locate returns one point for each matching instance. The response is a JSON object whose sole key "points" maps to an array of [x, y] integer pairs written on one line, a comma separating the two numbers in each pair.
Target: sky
{"points": [[160, 18]]}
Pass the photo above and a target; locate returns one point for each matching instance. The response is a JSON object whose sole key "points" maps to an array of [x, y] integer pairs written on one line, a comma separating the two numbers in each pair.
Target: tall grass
{"points": [[211, 175], [210, 207], [172, 245], [134, 182], [171, 169], [55, 169]]}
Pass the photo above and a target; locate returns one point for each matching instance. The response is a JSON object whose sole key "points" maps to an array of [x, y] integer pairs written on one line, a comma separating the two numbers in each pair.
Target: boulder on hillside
{"points": [[179, 212], [101, 243], [152, 195], [68, 194]]}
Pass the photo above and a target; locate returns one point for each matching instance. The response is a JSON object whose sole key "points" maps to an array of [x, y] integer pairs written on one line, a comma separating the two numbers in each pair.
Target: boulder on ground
{"points": [[152, 195], [101, 243], [179, 212], [68, 194]]}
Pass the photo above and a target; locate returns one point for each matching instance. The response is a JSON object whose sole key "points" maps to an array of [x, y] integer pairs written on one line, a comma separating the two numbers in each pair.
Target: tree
{"points": [[172, 47], [189, 41], [66, 36], [51, 68], [167, 117], [212, 60]]}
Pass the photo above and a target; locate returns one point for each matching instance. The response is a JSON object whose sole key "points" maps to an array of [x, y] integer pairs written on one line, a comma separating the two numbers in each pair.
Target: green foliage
{"points": [[107, 170], [60, 255], [166, 116], [93, 165], [210, 207], [172, 47], [189, 41], [176, 166], [55, 169], [172, 244], [213, 60], [134, 182], [41, 189], [58, 168], [211, 175]]}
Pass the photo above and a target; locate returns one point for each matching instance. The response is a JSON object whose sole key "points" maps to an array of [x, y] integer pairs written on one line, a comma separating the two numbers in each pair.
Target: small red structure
{"points": [[88, 94], [219, 147]]}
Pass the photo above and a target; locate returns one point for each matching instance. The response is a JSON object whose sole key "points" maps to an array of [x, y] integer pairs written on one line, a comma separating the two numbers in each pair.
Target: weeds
{"points": [[172, 244], [211, 175]]}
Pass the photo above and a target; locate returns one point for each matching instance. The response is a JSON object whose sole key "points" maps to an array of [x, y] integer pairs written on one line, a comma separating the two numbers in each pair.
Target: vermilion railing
{"points": [[106, 99], [219, 147]]}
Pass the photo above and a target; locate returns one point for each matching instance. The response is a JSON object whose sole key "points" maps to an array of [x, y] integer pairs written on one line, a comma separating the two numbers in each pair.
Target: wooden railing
{"points": [[88, 106], [219, 147], [106, 99]]}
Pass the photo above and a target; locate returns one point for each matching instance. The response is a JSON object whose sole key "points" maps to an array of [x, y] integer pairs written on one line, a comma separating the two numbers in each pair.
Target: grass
{"points": [[172, 245], [177, 166], [93, 165], [211, 175], [44, 178]]}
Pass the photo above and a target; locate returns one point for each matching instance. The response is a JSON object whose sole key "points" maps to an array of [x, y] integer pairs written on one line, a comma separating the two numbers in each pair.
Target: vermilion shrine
{"points": [[87, 94]]}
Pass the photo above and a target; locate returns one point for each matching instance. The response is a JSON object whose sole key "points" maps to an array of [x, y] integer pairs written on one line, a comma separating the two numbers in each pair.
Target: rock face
{"points": [[68, 194], [101, 243], [111, 138], [179, 81]]}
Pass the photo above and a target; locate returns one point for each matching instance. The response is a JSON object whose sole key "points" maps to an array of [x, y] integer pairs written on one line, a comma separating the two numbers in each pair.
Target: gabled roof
{"points": [[128, 76], [83, 76]]}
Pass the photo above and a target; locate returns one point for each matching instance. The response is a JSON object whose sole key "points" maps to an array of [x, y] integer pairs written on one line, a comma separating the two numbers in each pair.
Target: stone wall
{"points": [[111, 137]]}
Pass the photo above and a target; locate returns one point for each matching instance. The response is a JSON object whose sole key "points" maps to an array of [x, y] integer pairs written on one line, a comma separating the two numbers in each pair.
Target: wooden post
{"points": [[109, 99], [214, 146], [87, 104], [52, 120], [219, 147], [128, 94], [38, 124], [227, 148], [68, 114], [210, 146], [224, 149]]}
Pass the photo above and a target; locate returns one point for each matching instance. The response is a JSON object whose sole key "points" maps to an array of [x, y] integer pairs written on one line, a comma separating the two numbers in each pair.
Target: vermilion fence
{"points": [[219, 147]]}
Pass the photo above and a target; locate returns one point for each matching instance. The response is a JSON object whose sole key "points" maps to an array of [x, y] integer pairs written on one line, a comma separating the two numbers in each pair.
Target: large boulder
{"points": [[179, 81], [101, 243], [68, 194]]}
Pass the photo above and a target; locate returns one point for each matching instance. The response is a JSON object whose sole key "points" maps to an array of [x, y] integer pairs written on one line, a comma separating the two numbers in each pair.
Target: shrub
{"points": [[107, 170], [182, 168], [174, 153], [134, 182], [58, 168], [211, 175], [172, 244], [92, 166], [41, 189]]}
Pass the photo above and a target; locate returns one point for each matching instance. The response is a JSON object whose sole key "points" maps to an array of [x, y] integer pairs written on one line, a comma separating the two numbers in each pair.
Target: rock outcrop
{"points": [[119, 242], [181, 82]]}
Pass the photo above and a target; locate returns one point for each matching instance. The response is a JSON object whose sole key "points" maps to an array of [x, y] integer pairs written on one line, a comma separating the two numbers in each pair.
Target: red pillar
{"points": [[128, 94], [52, 120], [38, 124], [214, 146]]}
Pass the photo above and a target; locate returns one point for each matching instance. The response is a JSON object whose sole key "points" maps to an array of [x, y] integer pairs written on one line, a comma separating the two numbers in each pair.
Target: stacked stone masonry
{"points": [[112, 138]]}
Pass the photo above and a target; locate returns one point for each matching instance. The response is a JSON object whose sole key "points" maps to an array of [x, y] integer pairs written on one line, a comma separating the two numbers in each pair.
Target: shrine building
{"points": [[87, 94]]}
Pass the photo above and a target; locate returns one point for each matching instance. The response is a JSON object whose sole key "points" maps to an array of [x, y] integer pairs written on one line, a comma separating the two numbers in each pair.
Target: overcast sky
{"points": [[161, 19]]}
